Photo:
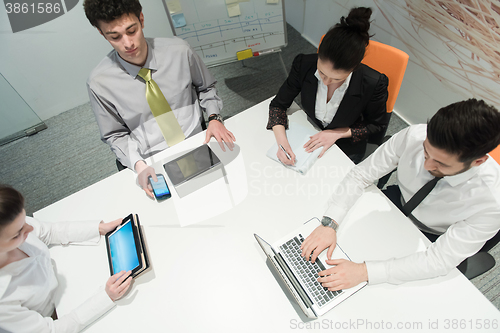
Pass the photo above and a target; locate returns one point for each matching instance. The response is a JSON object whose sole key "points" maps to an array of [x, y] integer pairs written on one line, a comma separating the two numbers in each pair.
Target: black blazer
{"points": [[363, 105]]}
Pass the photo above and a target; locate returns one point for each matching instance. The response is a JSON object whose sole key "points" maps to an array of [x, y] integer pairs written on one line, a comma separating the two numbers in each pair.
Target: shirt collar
{"points": [[461, 177], [133, 70], [342, 88], [17, 267]]}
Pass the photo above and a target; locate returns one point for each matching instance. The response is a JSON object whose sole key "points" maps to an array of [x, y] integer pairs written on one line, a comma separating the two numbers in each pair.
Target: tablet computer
{"points": [[126, 248], [191, 164]]}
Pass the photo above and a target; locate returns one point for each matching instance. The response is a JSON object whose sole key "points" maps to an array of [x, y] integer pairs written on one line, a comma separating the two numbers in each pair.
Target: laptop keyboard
{"points": [[307, 272]]}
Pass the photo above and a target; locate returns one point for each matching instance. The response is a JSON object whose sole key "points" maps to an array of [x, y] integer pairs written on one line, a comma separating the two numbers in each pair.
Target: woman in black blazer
{"points": [[344, 98]]}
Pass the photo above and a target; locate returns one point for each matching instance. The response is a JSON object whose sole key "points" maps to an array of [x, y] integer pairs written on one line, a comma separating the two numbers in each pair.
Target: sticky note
{"points": [[233, 10], [228, 2], [244, 54], [174, 6], [273, 1], [179, 20]]}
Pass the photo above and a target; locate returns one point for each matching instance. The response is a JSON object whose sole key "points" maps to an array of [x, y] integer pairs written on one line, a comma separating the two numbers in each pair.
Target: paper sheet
{"points": [[174, 7], [297, 136], [233, 10]]}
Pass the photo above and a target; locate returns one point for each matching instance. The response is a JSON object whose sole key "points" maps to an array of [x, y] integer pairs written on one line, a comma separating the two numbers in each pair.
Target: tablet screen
{"points": [[122, 248], [191, 164]]}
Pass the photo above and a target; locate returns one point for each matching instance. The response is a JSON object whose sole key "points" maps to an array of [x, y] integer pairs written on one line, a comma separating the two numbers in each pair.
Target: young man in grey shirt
{"points": [[117, 93]]}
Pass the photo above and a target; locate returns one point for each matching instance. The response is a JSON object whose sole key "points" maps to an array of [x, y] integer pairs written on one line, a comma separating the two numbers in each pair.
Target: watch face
{"points": [[326, 221], [215, 117]]}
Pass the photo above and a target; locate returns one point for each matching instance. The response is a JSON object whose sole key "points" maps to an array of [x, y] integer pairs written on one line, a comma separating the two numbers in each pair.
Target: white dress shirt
{"points": [[118, 98], [465, 207], [325, 111], [27, 286]]}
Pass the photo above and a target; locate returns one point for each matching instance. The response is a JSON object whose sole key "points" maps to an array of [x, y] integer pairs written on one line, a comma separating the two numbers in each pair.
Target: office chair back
{"points": [[495, 154], [390, 61]]}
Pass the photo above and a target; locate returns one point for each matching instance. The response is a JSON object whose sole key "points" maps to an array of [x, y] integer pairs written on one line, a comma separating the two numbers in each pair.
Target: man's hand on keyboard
{"points": [[321, 238], [346, 274]]}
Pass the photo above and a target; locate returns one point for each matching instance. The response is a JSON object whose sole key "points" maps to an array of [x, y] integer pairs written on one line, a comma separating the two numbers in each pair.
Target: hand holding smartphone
{"points": [[160, 188]]}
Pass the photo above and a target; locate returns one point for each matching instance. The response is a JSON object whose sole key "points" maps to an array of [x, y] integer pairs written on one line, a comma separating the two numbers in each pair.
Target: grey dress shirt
{"points": [[118, 98]]}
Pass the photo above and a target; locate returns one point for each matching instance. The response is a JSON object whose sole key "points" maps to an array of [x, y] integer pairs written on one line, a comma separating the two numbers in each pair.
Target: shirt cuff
{"points": [[212, 109], [336, 213], [94, 308], [359, 132], [277, 116], [377, 272], [133, 158]]}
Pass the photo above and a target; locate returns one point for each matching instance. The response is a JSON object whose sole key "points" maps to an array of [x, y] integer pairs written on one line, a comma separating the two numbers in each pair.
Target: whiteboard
{"points": [[216, 37]]}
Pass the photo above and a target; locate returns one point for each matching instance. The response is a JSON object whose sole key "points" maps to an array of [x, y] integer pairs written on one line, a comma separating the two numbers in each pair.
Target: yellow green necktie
{"points": [[161, 110]]}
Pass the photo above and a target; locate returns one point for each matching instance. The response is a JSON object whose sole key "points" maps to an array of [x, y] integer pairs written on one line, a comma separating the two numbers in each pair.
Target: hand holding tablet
{"points": [[126, 249], [118, 285]]}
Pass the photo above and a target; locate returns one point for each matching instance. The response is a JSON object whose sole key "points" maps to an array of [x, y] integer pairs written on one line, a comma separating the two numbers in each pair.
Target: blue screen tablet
{"points": [[123, 249]]}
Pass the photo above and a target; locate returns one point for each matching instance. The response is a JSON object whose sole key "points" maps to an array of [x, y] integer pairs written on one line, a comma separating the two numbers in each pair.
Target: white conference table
{"points": [[209, 273]]}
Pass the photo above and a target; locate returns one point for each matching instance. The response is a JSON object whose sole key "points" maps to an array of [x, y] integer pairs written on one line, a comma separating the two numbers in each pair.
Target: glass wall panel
{"points": [[17, 119]]}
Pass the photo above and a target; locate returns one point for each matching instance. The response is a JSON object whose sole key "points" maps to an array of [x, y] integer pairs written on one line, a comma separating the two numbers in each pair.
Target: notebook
{"points": [[300, 276], [297, 136]]}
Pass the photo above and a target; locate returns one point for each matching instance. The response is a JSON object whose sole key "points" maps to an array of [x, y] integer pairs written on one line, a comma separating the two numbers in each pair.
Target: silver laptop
{"points": [[300, 276]]}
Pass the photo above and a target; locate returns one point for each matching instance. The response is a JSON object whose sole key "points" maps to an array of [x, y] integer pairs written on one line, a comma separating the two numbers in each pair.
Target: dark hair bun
{"points": [[358, 20], [345, 43]]}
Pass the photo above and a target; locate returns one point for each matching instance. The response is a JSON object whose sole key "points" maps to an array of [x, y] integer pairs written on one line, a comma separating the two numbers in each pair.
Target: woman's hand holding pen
{"points": [[285, 154], [283, 146], [326, 139]]}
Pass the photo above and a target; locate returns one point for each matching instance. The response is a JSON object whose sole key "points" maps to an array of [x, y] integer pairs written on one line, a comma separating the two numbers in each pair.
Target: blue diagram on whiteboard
{"points": [[216, 37]]}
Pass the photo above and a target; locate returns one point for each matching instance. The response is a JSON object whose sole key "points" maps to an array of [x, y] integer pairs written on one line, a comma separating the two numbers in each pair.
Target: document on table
{"points": [[297, 136]]}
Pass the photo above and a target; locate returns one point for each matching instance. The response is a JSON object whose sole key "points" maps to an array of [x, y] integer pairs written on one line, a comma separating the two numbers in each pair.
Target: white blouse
{"points": [[325, 111], [27, 286]]}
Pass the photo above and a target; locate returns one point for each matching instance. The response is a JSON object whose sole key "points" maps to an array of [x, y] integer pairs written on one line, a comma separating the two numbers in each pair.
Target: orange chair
{"points": [[495, 154], [390, 61]]}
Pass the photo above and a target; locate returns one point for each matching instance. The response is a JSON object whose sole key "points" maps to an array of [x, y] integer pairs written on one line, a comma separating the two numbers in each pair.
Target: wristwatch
{"points": [[328, 222], [215, 116]]}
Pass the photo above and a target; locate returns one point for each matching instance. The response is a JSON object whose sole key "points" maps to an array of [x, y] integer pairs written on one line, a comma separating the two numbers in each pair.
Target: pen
{"points": [[256, 54], [287, 155]]}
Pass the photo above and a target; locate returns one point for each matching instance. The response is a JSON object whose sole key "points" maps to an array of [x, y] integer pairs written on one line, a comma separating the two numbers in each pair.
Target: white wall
{"points": [[48, 65], [294, 14], [427, 85]]}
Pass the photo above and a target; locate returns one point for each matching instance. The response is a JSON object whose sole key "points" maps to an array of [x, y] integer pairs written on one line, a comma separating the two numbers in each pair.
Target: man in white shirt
{"points": [[118, 93], [461, 213]]}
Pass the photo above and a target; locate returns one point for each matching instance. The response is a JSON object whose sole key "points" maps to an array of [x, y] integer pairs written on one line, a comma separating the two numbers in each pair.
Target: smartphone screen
{"points": [[160, 188]]}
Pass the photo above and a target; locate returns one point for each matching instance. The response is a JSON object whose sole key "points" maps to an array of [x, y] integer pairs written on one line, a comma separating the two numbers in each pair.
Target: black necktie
{"points": [[419, 196]]}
